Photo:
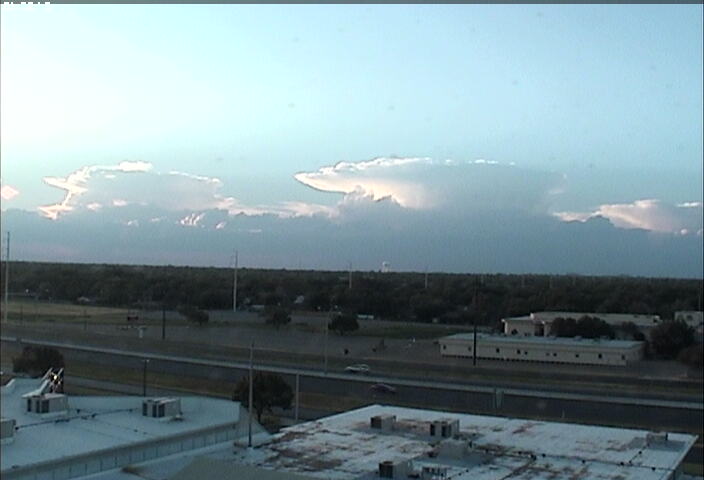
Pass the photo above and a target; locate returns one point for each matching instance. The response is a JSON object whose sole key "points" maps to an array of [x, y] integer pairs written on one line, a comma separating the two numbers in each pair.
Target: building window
{"points": [[576, 355], [469, 349], [525, 352], [547, 354], [623, 357], [600, 355], [518, 352], [554, 354], [497, 350], [444, 347]]}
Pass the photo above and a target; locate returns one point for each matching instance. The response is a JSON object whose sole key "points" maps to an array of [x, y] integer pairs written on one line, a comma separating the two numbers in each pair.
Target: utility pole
{"points": [[163, 321], [298, 389], [251, 391], [327, 328], [145, 361], [476, 312], [234, 286], [7, 279]]}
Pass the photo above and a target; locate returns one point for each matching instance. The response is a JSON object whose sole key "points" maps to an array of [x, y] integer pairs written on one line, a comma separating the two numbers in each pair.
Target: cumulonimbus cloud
{"points": [[8, 192], [75, 184], [136, 184], [647, 214], [420, 183]]}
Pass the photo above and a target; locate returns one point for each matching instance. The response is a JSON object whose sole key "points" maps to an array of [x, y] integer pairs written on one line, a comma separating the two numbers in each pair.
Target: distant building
{"points": [[539, 323], [543, 349], [692, 318]]}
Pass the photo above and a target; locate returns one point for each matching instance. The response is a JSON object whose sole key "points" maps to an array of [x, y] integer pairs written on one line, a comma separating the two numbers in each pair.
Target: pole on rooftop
{"points": [[251, 390]]}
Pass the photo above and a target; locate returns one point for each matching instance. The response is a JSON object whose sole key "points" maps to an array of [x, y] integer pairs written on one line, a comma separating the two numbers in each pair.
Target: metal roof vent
{"points": [[7, 430]]}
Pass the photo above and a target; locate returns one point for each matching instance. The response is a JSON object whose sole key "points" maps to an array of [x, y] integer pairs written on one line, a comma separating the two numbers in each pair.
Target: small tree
{"points": [[344, 323], [37, 360], [269, 390], [201, 317], [669, 338], [564, 327], [278, 317], [693, 357], [593, 327]]}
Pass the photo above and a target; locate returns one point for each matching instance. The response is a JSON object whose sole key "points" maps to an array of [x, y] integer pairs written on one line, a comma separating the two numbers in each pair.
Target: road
{"points": [[652, 414]]}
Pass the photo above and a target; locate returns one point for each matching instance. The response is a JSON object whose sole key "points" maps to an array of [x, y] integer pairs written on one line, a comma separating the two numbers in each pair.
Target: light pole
{"points": [[144, 376], [251, 391]]}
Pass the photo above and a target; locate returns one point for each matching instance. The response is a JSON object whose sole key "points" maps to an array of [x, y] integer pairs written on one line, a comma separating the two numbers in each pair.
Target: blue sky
{"points": [[608, 98]]}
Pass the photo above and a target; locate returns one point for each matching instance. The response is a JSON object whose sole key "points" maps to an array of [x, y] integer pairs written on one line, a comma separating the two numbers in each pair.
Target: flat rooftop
{"points": [[345, 447], [539, 340], [95, 423]]}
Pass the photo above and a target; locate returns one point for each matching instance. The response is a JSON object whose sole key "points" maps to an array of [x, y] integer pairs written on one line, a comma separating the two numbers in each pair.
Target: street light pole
{"points": [[144, 376], [327, 328], [251, 390]]}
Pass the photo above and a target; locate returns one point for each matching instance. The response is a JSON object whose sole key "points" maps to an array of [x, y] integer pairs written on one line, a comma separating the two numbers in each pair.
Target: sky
{"points": [[449, 137]]}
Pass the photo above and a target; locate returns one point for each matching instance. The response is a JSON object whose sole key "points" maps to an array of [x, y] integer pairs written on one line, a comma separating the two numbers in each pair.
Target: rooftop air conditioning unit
{"points": [[656, 438], [385, 423], [164, 407], [444, 428], [433, 472], [7, 430], [47, 403], [398, 470]]}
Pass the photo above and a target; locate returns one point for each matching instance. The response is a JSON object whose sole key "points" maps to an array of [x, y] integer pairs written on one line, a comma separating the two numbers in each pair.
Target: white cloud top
{"points": [[8, 192], [648, 214], [425, 184]]}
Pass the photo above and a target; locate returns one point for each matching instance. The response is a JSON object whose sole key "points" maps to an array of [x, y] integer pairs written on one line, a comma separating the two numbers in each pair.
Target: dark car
{"points": [[382, 388]]}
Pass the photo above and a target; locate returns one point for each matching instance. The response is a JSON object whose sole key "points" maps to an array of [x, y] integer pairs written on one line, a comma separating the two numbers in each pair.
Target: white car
{"points": [[359, 368]]}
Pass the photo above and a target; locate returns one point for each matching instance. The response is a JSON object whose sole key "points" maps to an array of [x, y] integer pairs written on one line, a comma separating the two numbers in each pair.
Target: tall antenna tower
{"points": [[7, 278], [234, 285]]}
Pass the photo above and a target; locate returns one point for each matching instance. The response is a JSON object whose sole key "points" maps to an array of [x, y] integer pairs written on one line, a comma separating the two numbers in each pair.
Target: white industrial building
{"points": [[401, 443], [118, 438], [48, 435], [539, 323], [693, 318], [542, 349]]}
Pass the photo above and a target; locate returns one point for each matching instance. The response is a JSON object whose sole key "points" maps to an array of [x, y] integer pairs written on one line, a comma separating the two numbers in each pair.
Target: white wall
{"points": [[548, 352]]}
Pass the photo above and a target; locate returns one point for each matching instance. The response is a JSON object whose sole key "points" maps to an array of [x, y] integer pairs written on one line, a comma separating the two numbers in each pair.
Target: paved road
{"points": [[650, 414]]}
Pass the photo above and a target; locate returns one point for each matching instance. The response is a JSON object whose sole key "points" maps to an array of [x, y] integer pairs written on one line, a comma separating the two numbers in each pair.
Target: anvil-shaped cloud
{"points": [[649, 214], [424, 184]]}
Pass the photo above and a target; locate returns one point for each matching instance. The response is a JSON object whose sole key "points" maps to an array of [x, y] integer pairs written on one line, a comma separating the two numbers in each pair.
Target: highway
{"points": [[647, 413]]}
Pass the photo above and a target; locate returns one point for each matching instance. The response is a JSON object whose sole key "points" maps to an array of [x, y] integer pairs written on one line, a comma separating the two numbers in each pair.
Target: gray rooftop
{"points": [[346, 447], [97, 423]]}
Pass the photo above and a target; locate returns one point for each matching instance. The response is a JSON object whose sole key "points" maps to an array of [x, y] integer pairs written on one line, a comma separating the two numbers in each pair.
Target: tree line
{"points": [[444, 298]]}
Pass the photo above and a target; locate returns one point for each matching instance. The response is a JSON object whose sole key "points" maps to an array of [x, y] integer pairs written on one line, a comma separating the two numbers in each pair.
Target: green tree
{"points": [[669, 338], [278, 317], [201, 317], [269, 390], [692, 356], [344, 323], [37, 360]]}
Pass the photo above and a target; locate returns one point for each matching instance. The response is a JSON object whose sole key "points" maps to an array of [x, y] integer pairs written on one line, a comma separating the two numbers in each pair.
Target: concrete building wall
{"points": [[122, 456], [551, 352]]}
